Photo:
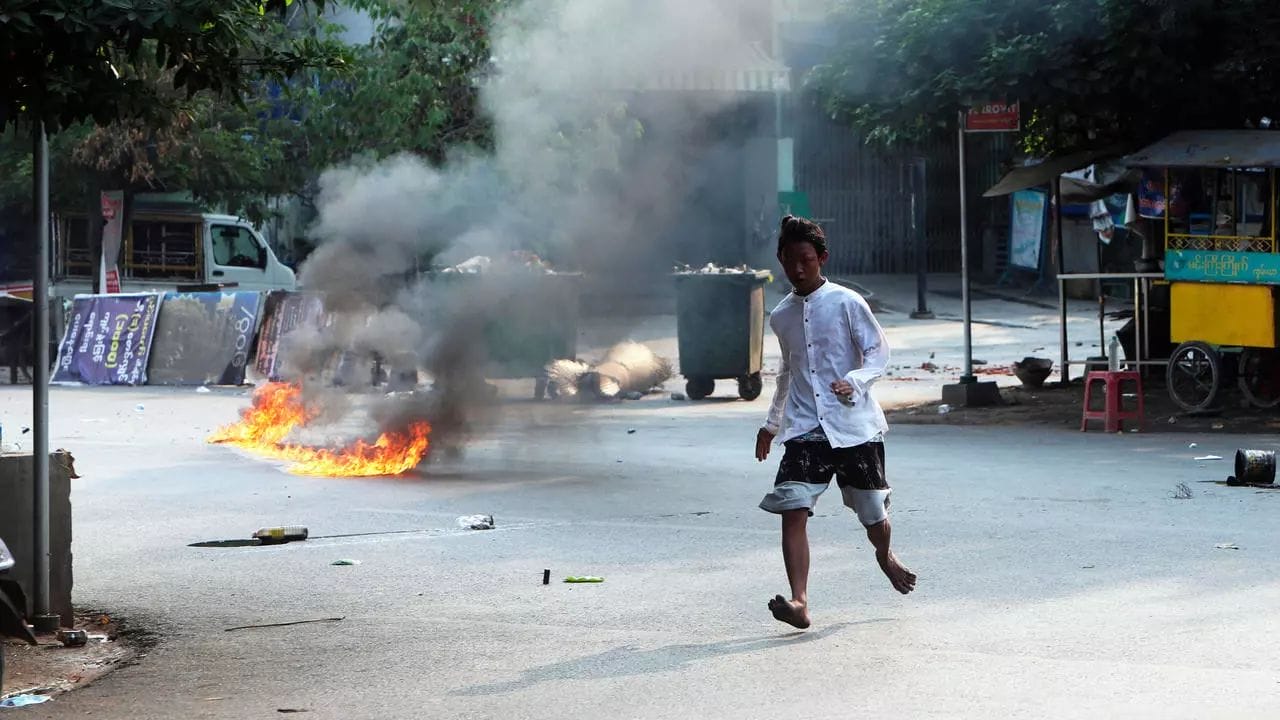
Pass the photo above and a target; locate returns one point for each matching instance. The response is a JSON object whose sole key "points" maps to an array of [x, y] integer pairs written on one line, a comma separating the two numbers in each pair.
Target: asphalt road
{"points": [[1059, 576]]}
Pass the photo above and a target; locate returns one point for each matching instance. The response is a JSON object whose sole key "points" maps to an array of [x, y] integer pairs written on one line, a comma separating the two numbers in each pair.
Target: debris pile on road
{"points": [[515, 260], [714, 269], [628, 370]]}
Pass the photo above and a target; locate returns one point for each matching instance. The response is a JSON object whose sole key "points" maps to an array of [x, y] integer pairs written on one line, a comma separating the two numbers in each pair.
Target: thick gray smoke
{"points": [[594, 169]]}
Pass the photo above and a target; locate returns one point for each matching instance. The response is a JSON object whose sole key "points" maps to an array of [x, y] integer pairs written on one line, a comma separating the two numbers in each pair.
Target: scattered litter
{"points": [[546, 577], [584, 579], [476, 522], [1218, 426], [1182, 491], [18, 701], [944, 409], [203, 389], [1173, 421], [73, 638], [345, 562], [286, 624], [632, 431], [104, 619], [139, 407], [1194, 445], [1233, 481], [1087, 567], [678, 397], [279, 535], [1209, 457], [929, 366], [26, 430], [979, 362], [1226, 546], [1256, 467], [292, 710]]}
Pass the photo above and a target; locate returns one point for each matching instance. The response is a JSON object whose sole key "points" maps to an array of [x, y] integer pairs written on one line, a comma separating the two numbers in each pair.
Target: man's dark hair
{"points": [[795, 229]]}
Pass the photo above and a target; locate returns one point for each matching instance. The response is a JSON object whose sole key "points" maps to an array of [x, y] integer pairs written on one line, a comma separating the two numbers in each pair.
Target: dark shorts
{"points": [[807, 469]]}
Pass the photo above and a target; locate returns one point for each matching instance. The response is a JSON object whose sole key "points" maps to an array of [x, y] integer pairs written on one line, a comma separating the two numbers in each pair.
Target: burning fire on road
{"points": [[278, 409]]}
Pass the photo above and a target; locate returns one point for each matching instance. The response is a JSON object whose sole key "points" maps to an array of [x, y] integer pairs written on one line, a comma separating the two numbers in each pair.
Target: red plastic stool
{"points": [[1111, 413]]}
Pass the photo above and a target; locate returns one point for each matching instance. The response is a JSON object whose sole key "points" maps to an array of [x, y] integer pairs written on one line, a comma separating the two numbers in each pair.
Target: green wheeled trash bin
{"points": [[720, 328]]}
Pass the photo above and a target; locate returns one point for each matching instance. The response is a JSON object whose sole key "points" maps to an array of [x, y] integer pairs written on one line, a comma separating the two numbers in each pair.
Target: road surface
{"points": [[1059, 577]]}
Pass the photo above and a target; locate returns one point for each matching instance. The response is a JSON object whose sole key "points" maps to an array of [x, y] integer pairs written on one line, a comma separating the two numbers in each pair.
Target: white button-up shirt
{"points": [[826, 336]]}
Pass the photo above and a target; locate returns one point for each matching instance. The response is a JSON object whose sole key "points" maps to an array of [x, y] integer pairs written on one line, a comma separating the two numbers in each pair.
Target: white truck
{"points": [[171, 250]]}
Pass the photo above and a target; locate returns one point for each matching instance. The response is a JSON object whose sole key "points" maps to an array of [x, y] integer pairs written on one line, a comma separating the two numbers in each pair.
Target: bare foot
{"points": [[904, 581], [790, 612]]}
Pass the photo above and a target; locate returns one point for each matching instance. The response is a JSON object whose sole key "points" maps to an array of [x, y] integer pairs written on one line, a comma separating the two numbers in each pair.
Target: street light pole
{"points": [[968, 376], [43, 620]]}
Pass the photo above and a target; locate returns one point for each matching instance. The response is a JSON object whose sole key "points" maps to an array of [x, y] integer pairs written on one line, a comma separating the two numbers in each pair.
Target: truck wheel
{"points": [[699, 388], [750, 387]]}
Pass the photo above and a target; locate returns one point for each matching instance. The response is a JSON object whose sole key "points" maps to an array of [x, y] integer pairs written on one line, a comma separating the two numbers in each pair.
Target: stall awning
{"points": [[1212, 148], [1043, 173], [749, 70]]}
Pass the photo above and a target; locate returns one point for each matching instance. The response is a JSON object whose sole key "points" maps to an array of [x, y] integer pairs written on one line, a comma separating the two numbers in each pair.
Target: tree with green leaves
{"points": [[131, 91], [70, 61], [1088, 73]]}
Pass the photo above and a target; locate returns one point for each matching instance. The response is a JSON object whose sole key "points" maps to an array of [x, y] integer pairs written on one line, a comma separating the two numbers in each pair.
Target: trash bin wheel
{"points": [[698, 388], [750, 386]]}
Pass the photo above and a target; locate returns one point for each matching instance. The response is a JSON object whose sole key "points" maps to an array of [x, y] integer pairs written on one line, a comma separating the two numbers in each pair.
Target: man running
{"points": [[832, 351]]}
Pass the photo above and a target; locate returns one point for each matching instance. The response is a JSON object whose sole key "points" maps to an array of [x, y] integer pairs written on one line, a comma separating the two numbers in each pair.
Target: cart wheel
{"points": [[749, 387], [1260, 376], [1194, 375], [698, 388]]}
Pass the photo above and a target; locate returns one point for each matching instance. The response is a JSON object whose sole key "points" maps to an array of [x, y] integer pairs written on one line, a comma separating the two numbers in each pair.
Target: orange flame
{"points": [[277, 409]]}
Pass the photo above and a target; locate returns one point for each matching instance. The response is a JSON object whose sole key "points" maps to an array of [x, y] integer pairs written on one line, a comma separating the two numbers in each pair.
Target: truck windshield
{"points": [[235, 246]]}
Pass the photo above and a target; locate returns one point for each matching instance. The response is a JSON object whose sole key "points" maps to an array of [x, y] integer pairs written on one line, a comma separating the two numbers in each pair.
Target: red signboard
{"points": [[113, 280], [112, 202], [993, 117]]}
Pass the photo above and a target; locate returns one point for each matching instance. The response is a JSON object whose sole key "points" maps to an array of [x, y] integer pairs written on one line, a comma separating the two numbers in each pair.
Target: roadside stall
{"points": [[1214, 196]]}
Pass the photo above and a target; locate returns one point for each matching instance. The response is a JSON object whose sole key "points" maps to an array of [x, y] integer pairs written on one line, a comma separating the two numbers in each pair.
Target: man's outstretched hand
{"points": [[764, 441]]}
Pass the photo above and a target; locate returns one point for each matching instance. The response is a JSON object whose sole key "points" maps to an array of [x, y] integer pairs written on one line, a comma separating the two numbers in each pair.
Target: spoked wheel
{"points": [[1260, 376], [750, 386], [1195, 376]]}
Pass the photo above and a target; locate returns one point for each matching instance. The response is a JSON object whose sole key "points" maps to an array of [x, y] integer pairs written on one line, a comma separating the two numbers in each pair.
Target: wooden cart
{"points": [[1216, 194]]}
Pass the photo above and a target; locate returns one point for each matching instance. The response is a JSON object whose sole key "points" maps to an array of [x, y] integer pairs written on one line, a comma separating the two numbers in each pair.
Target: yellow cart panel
{"points": [[1231, 315]]}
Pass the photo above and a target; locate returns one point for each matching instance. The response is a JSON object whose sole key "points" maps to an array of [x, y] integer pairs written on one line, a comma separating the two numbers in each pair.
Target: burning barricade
{"points": [[278, 410]]}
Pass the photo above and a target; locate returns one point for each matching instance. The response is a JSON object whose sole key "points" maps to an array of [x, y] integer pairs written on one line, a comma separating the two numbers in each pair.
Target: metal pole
{"points": [[1064, 371], [43, 621], [968, 376], [919, 217]]}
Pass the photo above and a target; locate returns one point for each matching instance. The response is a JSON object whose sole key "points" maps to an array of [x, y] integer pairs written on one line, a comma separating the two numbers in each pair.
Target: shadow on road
{"points": [[628, 661]]}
